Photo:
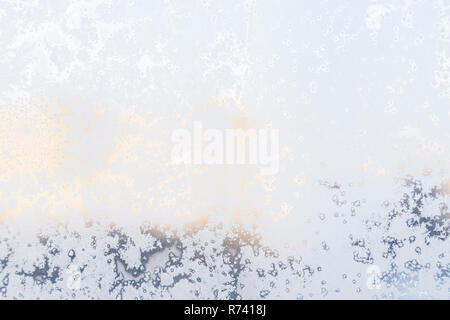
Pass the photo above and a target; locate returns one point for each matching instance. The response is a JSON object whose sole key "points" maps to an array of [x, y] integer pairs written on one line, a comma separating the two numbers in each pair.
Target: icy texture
{"points": [[407, 239], [91, 207]]}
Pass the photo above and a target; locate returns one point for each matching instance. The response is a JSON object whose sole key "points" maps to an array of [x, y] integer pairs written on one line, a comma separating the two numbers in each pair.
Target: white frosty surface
{"points": [[90, 206], [407, 238]]}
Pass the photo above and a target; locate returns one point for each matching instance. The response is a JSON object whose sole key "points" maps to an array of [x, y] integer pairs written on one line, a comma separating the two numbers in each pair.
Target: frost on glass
{"points": [[91, 205]]}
